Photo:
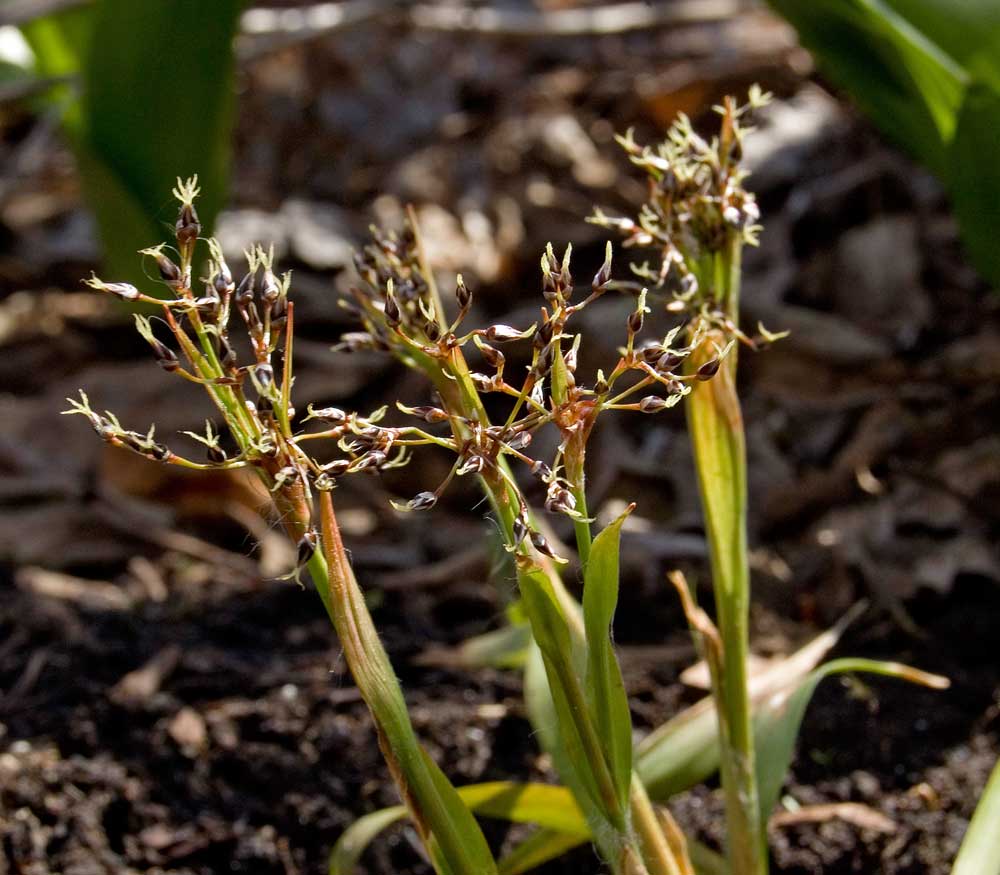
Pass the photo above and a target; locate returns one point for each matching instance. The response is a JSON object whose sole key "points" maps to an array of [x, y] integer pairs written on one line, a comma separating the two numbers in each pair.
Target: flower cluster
{"points": [[401, 311], [697, 216]]}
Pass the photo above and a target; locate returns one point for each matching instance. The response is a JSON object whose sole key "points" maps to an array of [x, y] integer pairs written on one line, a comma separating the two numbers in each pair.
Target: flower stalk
{"points": [[273, 447], [699, 216]]}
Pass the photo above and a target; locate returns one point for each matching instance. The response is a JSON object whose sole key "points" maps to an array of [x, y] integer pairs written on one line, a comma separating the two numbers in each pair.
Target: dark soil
{"points": [[168, 706]]}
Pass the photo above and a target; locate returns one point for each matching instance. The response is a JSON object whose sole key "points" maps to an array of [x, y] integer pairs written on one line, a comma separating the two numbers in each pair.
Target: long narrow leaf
{"points": [[779, 717], [157, 102], [974, 172], [605, 688], [543, 805], [980, 851]]}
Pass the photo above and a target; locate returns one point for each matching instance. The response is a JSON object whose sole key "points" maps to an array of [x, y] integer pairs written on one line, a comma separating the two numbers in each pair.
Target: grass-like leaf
{"points": [[605, 688], [543, 805], [980, 851], [156, 102]]}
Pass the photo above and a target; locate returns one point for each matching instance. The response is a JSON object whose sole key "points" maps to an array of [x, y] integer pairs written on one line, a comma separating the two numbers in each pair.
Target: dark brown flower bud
{"points": [[337, 468], [270, 289], [520, 530], [494, 358], [223, 281], [188, 227], [430, 414], [215, 454], [328, 414], [651, 352], [635, 321], [392, 314], [244, 291], [668, 362], [543, 334], [520, 440], [170, 273], [652, 404], [603, 275], [542, 471], [482, 382], [264, 376], [502, 333], [601, 387], [708, 370], [432, 330], [472, 465], [462, 294], [422, 501], [541, 545], [307, 547]]}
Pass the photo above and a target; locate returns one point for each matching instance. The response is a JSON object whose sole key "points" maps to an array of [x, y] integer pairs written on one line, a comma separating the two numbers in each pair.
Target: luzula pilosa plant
{"points": [[698, 218], [254, 401]]}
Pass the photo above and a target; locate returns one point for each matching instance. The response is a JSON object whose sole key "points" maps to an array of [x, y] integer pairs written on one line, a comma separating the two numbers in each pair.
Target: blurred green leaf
{"points": [[928, 74], [974, 171], [156, 101], [909, 86], [980, 851], [605, 688]]}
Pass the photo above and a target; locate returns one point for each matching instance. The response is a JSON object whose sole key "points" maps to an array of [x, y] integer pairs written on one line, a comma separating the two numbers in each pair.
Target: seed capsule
{"points": [[652, 404]]}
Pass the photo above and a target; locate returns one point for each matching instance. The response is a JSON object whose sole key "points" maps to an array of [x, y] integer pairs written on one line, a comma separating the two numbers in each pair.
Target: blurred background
{"points": [[167, 705]]}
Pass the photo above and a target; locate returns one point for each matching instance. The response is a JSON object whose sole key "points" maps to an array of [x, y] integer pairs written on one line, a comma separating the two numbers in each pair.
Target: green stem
{"points": [[718, 440], [461, 843]]}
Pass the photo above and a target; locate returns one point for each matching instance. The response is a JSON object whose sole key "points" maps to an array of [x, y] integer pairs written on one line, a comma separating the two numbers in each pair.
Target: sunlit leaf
{"points": [[605, 688], [980, 851], [543, 805]]}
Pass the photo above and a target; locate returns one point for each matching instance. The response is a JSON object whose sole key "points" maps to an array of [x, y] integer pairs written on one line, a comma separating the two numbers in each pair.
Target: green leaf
{"points": [[157, 102], [538, 848], [962, 29], [900, 77], [685, 750], [545, 720], [779, 717], [545, 845], [605, 688], [476, 852], [355, 839], [980, 851], [544, 805], [974, 174], [506, 647]]}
